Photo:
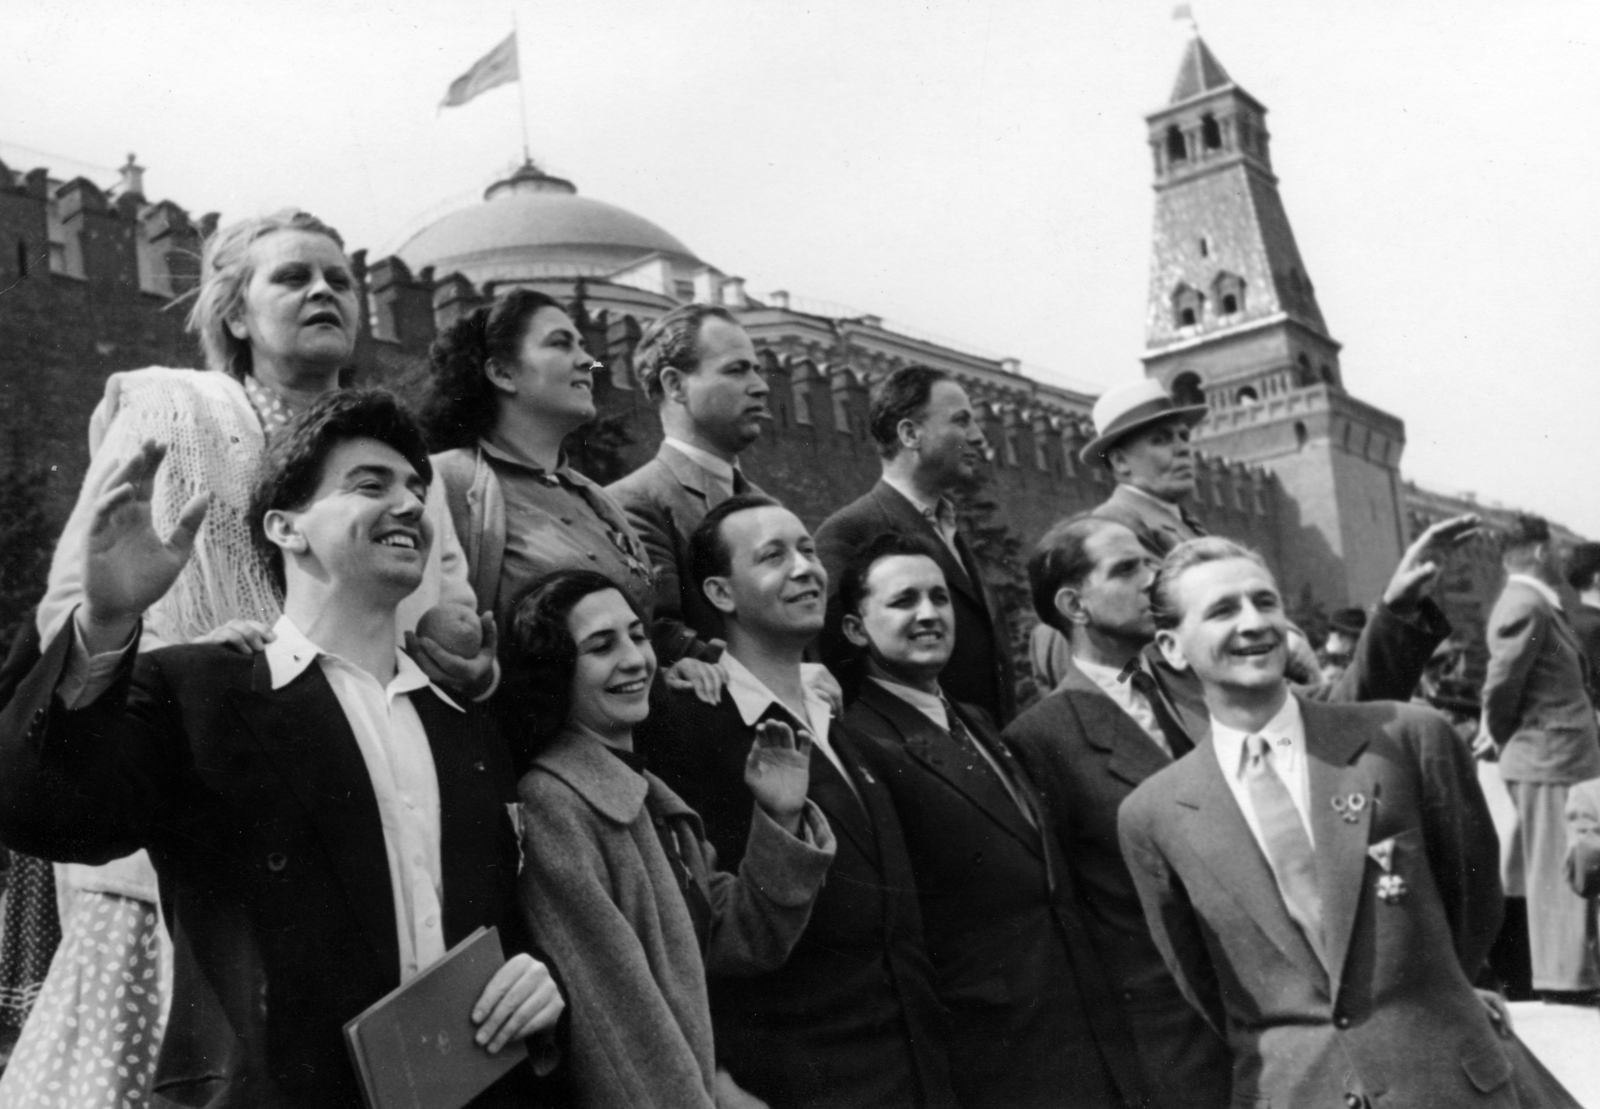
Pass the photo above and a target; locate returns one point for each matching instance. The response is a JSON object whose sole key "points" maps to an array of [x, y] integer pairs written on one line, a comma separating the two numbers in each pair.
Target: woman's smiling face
{"points": [[611, 680]]}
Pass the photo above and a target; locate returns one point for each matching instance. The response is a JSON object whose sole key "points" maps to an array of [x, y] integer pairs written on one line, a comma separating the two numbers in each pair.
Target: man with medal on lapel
{"points": [[1321, 879]]}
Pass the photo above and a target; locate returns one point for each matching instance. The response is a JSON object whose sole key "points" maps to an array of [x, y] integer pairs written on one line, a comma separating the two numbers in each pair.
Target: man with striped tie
{"points": [[1321, 879]]}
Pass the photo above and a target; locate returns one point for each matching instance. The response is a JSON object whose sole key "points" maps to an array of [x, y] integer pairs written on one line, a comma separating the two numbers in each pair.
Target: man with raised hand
{"points": [[851, 1019], [1320, 879], [324, 820]]}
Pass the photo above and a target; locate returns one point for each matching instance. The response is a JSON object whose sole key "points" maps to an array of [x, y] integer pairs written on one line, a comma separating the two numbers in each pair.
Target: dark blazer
{"points": [[980, 671], [1534, 698], [1087, 755], [1032, 1019], [1393, 1012], [257, 810], [665, 500], [851, 1019]]}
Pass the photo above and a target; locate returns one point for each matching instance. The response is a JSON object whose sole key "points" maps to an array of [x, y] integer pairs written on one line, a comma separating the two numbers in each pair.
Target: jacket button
{"points": [[39, 715], [277, 861], [1352, 1101], [1343, 1022]]}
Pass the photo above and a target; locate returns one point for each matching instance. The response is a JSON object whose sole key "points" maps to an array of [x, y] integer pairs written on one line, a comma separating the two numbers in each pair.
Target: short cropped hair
{"points": [[903, 395], [458, 404], [1061, 560], [673, 342], [1582, 566], [291, 470], [225, 272], [1526, 530], [1166, 609], [888, 544], [709, 556], [539, 657]]}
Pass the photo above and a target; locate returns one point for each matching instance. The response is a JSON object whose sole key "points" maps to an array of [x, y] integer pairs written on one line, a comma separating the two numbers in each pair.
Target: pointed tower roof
{"points": [[1198, 73]]}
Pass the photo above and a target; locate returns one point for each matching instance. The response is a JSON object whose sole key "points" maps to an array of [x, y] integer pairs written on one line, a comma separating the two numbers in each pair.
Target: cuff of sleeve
{"points": [[1427, 618], [494, 684], [88, 676], [788, 869]]}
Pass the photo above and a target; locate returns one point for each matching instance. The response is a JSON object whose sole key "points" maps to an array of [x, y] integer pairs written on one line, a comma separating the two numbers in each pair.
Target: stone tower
{"points": [[1233, 318]]}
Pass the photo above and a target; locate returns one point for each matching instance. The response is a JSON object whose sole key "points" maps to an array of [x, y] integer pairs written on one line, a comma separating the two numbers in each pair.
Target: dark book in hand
{"points": [[414, 1048]]}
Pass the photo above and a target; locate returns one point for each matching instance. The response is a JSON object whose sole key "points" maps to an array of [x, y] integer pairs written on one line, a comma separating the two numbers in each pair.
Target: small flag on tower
{"points": [[497, 67]]}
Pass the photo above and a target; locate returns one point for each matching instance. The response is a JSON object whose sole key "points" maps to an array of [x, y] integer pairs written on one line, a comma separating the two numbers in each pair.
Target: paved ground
{"points": [[1566, 1038]]}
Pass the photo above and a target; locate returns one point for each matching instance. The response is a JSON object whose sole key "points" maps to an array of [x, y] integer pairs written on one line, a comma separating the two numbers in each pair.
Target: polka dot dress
{"points": [[96, 1028], [29, 936]]}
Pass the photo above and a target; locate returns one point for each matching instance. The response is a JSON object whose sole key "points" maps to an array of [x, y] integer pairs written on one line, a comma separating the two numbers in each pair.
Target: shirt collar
{"points": [[503, 453], [1107, 676], [1539, 587], [1286, 724], [290, 653], [939, 510], [930, 705], [752, 697], [1156, 502], [710, 463]]}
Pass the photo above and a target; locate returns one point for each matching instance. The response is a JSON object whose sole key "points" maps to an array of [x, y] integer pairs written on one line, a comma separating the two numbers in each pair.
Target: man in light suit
{"points": [[1142, 439], [1116, 719], [931, 443], [700, 368], [1033, 1018], [324, 821], [1538, 713], [1320, 879]]}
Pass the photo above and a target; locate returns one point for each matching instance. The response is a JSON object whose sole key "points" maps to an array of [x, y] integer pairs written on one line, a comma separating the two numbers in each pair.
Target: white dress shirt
{"points": [[719, 468], [394, 747], [1127, 698], [752, 698], [1286, 735], [1539, 587]]}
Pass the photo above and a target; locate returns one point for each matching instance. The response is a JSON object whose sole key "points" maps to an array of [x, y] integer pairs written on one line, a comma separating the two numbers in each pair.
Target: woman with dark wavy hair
{"points": [[619, 884]]}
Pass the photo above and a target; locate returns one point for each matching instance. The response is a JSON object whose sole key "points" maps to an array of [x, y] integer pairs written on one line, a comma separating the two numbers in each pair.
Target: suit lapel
{"points": [[940, 756], [828, 788], [303, 729], [693, 478], [1131, 755], [1223, 841], [1341, 843]]}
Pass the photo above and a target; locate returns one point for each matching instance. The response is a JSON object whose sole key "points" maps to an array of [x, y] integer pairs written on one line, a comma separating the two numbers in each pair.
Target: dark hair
{"points": [[539, 657], [1167, 611], [1526, 530], [291, 469], [458, 405], [888, 544], [709, 556], [902, 396], [673, 342], [1059, 560], [1583, 563]]}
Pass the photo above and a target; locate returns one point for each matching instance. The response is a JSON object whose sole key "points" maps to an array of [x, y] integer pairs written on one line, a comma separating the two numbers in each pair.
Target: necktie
{"points": [[1288, 846], [740, 484], [962, 738], [1178, 740], [1191, 522]]}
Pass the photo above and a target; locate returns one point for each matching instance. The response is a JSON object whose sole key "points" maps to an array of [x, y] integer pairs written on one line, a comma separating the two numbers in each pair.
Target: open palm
{"points": [[127, 566], [778, 771]]}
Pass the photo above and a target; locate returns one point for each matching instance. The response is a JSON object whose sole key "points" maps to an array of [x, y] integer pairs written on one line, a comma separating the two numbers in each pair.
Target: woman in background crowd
{"points": [[619, 884], [277, 314]]}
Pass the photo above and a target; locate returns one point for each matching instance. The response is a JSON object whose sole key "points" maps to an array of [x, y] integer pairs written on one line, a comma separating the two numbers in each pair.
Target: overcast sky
{"points": [[977, 170]]}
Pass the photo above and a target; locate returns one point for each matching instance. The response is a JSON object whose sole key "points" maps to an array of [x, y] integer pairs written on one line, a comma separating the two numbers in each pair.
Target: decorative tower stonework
{"points": [[1232, 320]]}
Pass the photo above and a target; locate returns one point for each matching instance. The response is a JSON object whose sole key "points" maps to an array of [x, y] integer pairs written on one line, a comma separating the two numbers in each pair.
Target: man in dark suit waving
{"points": [[931, 443], [1320, 879], [1033, 1022], [324, 820], [851, 1019]]}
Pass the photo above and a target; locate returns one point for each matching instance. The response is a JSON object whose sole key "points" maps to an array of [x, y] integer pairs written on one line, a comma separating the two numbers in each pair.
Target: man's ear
{"points": [[283, 532], [717, 592], [1069, 603], [910, 434], [500, 376], [1167, 640], [1117, 462], [672, 385], [854, 630]]}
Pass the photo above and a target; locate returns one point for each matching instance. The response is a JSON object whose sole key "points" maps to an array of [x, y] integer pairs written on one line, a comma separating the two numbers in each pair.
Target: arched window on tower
{"points": [[1304, 375], [1328, 376], [1187, 305], [1247, 395], [1186, 389], [1177, 149], [1210, 133], [1229, 290]]}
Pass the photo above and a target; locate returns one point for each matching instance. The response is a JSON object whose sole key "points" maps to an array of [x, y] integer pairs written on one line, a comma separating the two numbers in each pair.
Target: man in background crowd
{"points": [[1583, 574], [1344, 628]]}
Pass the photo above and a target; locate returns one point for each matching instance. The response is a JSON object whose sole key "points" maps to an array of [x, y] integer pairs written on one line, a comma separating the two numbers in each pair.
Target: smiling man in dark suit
{"points": [[1033, 1022], [851, 1019], [1320, 879], [324, 821], [700, 368], [931, 443]]}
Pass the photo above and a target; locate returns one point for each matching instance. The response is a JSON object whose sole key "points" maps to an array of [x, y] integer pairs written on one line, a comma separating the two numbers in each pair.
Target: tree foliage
{"points": [[999, 554], [26, 538]]}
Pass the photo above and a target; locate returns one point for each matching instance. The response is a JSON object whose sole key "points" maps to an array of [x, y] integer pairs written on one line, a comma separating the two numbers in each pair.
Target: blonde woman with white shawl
{"points": [[277, 313]]}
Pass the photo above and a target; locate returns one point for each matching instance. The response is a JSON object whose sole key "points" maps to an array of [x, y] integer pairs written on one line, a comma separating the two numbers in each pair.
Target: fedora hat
{"points": [[1128, 408]]}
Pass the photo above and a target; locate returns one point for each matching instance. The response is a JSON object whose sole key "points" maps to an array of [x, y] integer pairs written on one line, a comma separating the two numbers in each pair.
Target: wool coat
{"points": [[600, 894]]}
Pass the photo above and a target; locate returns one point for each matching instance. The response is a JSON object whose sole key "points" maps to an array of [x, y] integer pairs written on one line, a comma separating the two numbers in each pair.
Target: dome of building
{"points": [[531, 226]]}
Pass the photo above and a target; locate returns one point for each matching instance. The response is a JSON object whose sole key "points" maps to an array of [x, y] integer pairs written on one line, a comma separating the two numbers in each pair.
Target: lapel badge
{"points": [[1351, 807], [1392, 888], [1382, 853]]}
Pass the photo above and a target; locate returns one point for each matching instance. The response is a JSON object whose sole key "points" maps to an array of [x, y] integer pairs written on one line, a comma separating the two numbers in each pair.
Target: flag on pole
{"points": [[497, 67]]}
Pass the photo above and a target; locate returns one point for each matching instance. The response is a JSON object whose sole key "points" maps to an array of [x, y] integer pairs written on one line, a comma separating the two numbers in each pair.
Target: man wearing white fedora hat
{"points": [[1142, 437]]}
